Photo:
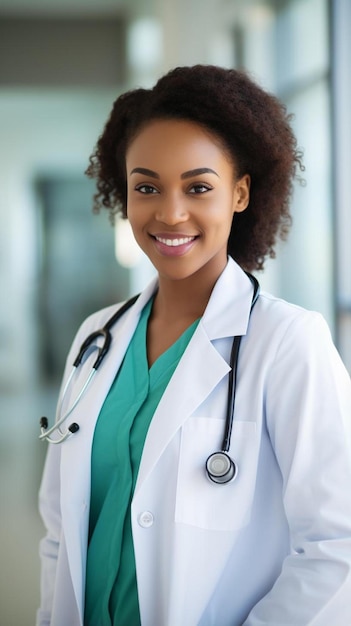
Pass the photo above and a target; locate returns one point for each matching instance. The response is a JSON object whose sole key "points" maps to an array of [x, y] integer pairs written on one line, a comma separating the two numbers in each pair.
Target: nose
{"points": [[171, 211]]}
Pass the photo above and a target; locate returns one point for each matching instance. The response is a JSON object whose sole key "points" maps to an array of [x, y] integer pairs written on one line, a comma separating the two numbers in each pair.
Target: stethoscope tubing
{"points": [[216, 460], [234, 357], [46, 434], [105, 333], [232, 380]]}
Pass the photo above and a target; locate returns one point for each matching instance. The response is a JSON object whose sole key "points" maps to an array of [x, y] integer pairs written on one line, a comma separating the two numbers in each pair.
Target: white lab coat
{"points": [[271, 548]]}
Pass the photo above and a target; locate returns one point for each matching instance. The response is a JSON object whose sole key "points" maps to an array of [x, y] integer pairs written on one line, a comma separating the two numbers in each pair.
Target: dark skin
{"points": [[167, 324], [182, 196]]}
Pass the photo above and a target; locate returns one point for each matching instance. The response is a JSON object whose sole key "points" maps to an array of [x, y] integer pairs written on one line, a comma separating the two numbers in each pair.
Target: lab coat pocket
{"points": [[201, 502]]}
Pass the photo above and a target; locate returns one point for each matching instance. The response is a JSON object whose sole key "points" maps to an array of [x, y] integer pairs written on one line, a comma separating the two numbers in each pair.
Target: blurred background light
{"points": [[128, 253], [144, 45], [62, 64]]}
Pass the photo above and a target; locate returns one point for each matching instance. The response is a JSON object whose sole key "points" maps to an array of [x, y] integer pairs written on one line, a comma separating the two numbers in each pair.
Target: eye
{"points": [[146, 189], [199, 188]]}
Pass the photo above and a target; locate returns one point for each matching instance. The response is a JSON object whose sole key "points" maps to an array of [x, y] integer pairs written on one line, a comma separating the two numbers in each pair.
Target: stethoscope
{"points": [[220, 467]]}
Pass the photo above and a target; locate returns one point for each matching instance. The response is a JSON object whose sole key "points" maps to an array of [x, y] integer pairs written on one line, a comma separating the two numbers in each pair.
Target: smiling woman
{"points": [[182, 510], [181, 202], [249, 125]]}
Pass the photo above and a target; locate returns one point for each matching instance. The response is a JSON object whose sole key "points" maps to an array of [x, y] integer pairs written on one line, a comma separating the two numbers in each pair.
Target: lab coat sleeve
{"points": [[49, 506], [50, 511], [308, 413]]}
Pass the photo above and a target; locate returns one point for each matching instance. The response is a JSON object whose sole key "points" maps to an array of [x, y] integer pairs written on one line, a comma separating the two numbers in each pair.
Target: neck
{"points": [[185, 298]]}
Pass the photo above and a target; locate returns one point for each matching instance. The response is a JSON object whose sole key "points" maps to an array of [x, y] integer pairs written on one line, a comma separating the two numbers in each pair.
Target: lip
{"points": [[173, 244]]}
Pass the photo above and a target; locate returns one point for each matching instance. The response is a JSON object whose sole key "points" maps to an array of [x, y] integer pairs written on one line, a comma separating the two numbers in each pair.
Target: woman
{"points": [[137, 531]]}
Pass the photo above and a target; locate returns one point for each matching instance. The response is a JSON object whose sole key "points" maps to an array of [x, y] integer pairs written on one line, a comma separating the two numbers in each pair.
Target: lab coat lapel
{"points": [[226, 315], [179, 401]]}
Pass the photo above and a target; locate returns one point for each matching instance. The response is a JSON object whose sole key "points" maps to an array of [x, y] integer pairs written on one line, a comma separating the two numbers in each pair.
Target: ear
{"points": [[241, 196]]}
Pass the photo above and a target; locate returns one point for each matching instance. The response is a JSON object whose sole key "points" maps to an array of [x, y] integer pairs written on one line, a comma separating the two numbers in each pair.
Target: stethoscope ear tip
{"points": [[46, 434], [73, 428], [44, 422]]}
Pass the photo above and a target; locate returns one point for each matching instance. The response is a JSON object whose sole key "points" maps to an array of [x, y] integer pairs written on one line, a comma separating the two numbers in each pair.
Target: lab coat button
{"points": [[146, 519]]}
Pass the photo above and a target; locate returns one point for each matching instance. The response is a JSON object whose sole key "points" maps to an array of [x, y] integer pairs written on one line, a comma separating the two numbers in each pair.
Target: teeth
{"points": [[175, 242]]}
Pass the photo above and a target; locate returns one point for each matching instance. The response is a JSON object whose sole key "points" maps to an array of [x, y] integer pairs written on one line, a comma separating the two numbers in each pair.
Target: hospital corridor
{"points": [[62, 64]]}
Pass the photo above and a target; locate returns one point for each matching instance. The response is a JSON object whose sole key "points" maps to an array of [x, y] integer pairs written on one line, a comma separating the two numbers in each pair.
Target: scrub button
{"points": [[146, 519]]}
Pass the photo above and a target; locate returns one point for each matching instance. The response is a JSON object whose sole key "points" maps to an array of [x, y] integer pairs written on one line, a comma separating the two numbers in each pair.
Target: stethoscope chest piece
{"points": [[221, 468]]}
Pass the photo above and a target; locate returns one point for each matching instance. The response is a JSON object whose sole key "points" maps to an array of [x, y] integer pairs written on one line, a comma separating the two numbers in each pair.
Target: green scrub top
{"points": [[111, 597]]}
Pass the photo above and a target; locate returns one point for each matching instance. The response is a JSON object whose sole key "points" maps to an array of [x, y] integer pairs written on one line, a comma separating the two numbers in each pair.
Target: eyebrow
{"points": [[197, 172], [145, 171]]}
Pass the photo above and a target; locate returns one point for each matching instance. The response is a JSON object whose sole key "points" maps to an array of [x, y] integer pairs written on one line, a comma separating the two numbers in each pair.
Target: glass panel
{"points": [[301, 42], [306, 261]]}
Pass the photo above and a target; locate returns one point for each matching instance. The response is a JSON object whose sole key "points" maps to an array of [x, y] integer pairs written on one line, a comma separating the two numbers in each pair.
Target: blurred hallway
{"points": [[62, 63]]}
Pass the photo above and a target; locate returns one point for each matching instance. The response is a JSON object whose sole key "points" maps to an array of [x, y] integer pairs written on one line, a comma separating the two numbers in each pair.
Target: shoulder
{"points": [[299, 343], [282, 316], [271, 304], [106, 316], [290, 332], [92, 324], [98, 319]]}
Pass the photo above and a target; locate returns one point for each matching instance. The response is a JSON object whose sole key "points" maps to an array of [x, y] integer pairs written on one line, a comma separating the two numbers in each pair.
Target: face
{"points": [[182, 196]]}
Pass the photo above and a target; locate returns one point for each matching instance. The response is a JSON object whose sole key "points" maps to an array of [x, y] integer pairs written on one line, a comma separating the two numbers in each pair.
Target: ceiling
{"points": [[72, 7]]}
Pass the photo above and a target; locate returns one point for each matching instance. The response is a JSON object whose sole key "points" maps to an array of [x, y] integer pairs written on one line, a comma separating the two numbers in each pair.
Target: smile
{"points": [[181, 241]]}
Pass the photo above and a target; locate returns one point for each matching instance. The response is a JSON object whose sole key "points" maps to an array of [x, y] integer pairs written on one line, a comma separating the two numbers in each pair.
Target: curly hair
{"points": [[250, 123]]}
